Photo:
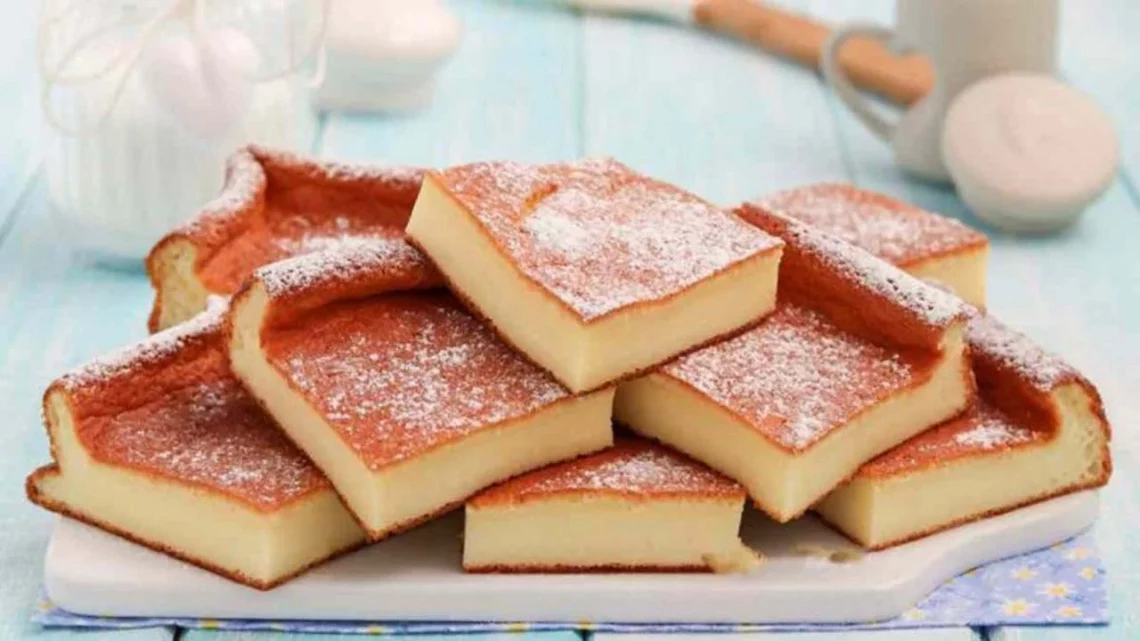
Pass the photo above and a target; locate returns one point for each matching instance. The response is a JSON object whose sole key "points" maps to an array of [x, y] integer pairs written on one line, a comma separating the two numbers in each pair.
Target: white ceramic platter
{"points": [[416, 576]]}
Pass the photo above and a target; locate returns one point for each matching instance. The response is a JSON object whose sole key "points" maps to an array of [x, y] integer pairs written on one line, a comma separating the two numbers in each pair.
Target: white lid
{"points": [[1027, 152]]}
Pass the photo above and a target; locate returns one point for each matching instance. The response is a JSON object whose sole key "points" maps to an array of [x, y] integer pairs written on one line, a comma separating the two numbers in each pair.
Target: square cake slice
{"points": [[593, 271], [921, 243], [161, 445], [858, 358], [408, 403], [1037, 431], [273, 205], [634, 507]]}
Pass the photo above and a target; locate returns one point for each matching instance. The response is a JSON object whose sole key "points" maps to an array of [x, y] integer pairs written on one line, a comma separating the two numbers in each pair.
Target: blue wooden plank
{"points": [[57, 312], [705, 112], [19, 108], [1099, 50], [510, 93]]}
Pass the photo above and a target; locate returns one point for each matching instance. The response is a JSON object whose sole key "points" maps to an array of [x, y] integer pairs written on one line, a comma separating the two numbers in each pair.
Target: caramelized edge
{"points": [[807, 278]]}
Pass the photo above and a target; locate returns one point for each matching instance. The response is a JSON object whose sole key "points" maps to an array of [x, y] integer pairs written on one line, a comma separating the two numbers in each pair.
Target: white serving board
{"points": [[417, 576]]}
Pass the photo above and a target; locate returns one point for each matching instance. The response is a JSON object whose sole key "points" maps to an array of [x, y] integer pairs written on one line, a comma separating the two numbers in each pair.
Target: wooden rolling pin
{"points": [[900, 79]]}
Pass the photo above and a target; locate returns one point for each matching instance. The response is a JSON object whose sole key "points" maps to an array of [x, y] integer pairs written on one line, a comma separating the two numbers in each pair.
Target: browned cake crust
{"points": [[274, 205]]}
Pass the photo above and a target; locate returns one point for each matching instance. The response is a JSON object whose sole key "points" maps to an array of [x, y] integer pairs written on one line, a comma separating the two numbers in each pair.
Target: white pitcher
{"points": [[965, 41]]}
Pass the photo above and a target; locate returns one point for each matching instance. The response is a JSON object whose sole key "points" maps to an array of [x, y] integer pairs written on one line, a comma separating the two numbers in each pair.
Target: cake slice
{"points": [[593, 271], [409, 404], [1037, 431], [274, 205], [161, 445], [920, 242], [634, 507], [857, 358]]}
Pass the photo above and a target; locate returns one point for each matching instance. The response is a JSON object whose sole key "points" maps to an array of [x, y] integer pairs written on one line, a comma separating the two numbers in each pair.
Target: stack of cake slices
{"points": [[342, 353]]}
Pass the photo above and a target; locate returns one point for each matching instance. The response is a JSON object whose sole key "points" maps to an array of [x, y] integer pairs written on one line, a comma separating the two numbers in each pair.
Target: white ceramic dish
{"points": [[416, 577]]}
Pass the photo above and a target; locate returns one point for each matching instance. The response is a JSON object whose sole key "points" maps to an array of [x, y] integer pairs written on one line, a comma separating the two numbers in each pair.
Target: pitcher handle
{"points": [[834, 75]]}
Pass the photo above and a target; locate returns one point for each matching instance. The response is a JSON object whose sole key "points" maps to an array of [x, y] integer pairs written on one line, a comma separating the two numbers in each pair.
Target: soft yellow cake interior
{"points": [[581, 532], [963, 273], [181, 294]]}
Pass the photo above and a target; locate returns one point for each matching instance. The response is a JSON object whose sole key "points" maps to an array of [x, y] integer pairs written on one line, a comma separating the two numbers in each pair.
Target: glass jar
{"points": [[123, 159]]}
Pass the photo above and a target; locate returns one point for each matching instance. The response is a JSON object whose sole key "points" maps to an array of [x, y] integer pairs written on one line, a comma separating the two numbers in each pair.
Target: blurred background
{"points": [[156, 111]]}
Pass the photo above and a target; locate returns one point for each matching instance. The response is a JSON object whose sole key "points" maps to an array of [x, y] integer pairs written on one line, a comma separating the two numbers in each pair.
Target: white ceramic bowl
{"points": [[1028, 153]]}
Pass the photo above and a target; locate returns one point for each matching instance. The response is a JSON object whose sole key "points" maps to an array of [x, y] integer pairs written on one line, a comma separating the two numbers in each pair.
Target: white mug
{"points": [[965, 41]]}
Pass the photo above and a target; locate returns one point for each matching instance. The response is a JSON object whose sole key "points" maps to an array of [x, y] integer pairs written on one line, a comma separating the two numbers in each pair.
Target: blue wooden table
{"points": [[531, 83]]}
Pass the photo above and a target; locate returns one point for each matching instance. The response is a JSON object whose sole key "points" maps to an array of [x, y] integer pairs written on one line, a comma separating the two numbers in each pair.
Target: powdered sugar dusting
{"points": [[153, 349], [635, 468], [982, 429], [890, 229], [992, 433], [796, 376], [342, 233], [340, 261], [930, 304], [599, 236], [1018, 352], [400, 374], [211, 434]]}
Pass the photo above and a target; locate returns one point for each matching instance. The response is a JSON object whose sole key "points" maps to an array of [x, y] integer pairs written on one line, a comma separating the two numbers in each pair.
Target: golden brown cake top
{"points": [[893, 230], [984, 429], [598, 236], [168, 406], [403, 373], [632, 468], [275, 205], [796, 376]]}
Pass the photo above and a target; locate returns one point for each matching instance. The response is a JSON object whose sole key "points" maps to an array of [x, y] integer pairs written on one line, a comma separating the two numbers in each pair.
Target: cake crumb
{"points": [[834, 555], [743, 560]]}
